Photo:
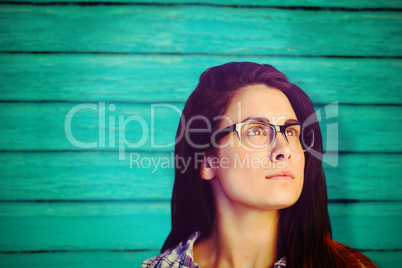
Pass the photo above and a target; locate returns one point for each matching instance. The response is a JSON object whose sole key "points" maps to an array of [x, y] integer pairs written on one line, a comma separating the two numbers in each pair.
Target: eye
{"points": [[256, 131], [292, 132]]}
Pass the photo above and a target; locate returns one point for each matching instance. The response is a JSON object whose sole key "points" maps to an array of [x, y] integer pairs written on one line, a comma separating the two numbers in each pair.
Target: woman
{"points": [[250, 196]]}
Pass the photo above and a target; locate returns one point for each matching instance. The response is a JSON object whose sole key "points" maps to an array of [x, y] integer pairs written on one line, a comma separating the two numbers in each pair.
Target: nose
{"points": [[280, 149]]}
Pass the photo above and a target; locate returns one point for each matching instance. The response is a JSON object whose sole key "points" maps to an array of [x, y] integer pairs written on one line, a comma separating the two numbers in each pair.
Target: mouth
{"points": [[281, 175]]}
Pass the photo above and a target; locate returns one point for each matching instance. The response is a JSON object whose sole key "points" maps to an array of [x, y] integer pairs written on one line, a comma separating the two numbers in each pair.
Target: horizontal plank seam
{"points": [[122, 3], [90, 201], [76, 251], [161, 151], [168, 152], [91, 101], [198, 54], [141, 250], [84, 201], [347, 201], [316, 104]]}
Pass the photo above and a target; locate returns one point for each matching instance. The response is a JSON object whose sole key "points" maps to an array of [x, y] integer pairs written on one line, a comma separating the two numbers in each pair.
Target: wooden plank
{"points": [[186, 29], [132, 226], [85, 176], [289, 3], [39, 127], [384, 259], [367, 223], [102, 176], [43, 126], [83, 226], [83, 78], [69, 259], [365, 177]]}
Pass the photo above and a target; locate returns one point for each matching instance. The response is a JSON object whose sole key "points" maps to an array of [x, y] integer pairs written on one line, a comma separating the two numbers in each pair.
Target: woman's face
{"points": [[268, 179]]}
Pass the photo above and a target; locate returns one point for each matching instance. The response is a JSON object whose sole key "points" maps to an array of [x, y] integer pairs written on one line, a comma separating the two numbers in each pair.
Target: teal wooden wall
{"points": [[64, 206]]}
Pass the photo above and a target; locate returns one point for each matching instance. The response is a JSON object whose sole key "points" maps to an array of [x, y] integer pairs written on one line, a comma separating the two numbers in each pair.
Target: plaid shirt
{"points": [[182, 257]]}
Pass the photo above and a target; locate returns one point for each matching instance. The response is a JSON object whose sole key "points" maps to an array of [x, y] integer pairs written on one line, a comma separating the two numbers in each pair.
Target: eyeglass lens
{"points": [[258, 136]]}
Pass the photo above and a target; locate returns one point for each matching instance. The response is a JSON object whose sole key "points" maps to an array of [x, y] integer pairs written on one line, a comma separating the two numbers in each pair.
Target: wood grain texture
{"points": [[199, 29], [101, 176], [114, 216], [132, 78], [39, 127], [83, 176], [289, 3], [83, 226], [356, 224], [365, 177], [131, 226], [384, 259]]}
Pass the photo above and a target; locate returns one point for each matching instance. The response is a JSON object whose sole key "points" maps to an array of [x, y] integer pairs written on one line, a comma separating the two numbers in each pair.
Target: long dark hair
{"points": [[304, 235]]}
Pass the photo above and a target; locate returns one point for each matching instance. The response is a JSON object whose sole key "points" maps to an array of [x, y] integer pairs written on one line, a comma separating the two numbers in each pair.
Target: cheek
{"points": [[237, 160], [227, 158], [230, 151], [233, 169], [301, 165]]}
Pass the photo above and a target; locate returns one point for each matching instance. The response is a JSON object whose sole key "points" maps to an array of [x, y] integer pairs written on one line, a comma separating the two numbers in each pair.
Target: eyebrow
{"points": [[266, 120], [256, 119]]}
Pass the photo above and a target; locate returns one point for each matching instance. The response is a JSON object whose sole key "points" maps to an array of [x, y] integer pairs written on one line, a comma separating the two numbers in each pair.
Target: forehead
{"points": [[261, 101]]}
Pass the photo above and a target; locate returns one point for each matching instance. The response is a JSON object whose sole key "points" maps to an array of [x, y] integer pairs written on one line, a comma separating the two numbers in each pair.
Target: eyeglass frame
{"points": [[220, 134]]}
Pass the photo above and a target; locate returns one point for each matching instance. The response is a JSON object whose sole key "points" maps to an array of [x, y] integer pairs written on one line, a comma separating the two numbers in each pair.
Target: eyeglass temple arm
{"points": [[223, 132]]}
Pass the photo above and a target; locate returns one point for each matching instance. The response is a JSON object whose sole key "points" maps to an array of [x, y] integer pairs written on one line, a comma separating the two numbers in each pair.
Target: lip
{"points": [[281, 175]]}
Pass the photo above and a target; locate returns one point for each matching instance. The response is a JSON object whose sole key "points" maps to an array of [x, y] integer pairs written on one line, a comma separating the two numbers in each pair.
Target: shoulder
{"points": [[352, 258], [179, 256]]}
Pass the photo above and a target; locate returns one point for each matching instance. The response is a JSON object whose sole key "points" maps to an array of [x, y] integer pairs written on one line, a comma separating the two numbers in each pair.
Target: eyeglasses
{"points": [[260, 135]]}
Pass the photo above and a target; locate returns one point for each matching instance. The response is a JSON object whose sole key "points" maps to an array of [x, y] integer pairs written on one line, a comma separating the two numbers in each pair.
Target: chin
{"points": [[282, 202]]}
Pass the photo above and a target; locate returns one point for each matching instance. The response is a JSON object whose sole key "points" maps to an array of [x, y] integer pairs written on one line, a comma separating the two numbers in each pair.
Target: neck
{"points": [[242, 237]]}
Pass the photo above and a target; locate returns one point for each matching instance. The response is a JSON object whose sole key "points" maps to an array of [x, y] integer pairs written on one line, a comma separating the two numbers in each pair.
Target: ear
{"points": [[207, 171]]}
